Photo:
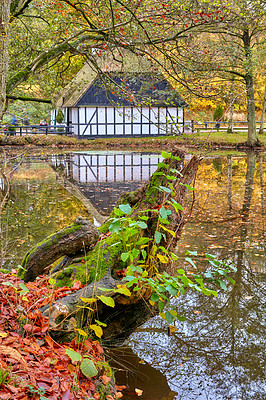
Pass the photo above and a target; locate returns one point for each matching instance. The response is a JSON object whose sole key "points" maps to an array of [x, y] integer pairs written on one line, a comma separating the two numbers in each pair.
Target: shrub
{"points": [[59, 117], [218, 113]]}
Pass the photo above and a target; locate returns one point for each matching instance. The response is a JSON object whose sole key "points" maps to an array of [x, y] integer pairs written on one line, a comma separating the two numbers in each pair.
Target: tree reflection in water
{"points": [[219, 352]]}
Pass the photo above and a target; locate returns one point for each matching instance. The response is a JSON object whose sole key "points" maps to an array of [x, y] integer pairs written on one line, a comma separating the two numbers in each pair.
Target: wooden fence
{"points": [[189, 126], [238, 126], [36, 129]]}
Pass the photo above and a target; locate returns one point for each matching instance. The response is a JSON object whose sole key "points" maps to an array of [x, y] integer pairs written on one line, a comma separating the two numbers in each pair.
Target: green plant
{"points": [[4, 376], [218, 113], [143, 256], [59, 117], [11, 128], [39, 391]]}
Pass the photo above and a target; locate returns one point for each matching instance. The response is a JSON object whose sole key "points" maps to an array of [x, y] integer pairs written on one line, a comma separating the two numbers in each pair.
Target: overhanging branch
{"points": [[24, 98]]}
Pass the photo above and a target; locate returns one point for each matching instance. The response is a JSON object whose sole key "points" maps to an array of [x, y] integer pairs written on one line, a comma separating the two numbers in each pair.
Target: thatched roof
{"points": [[71, 94], [131, 88], [98, 84]]}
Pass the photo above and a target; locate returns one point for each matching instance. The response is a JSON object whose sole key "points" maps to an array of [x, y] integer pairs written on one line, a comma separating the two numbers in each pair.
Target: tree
{"points": [[4, 56], [139, 244], [188, 41], [231, 48], [263, 111]]}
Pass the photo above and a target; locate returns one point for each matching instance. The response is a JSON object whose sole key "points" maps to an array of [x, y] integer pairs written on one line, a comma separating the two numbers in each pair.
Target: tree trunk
{"points": [[252, 134], [4, 56], [100, 268], [263, 111], [249, 188], [230, 182], [231, 108], [251, 116]]}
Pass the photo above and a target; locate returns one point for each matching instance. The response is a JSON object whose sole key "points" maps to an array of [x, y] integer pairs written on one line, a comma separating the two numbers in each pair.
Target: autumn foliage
{"points": [[32, 365]]}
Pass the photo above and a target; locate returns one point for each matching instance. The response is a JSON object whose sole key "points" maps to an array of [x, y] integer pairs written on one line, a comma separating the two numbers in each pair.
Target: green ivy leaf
{"points": [[172, 290], [165, 154], [135, 252], [161, 305], [162, 165], [157, 237], [88, 368], [164, 189], [141, 224], [115, 226], [169, 317], [191, 262], [125, 208], [176, 205], [73, 355], [24, 288], [222, 284], [154, 297], [109, 301], [124, 256], [181, 318], [163, 212]]}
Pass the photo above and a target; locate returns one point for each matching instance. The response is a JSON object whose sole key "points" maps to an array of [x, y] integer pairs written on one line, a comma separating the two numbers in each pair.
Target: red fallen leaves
{"points": [[37, 365]]}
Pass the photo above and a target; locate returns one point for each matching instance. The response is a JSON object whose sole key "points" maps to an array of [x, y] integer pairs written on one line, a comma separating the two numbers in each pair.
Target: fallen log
{"points": [[156, 220], [69, 241]]}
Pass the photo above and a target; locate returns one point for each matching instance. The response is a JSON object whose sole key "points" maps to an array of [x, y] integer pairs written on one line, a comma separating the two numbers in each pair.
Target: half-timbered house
{"points": [[117, 103]]}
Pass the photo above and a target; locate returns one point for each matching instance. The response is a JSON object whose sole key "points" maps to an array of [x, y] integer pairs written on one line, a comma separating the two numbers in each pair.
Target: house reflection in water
{"points": [[102, 177]]}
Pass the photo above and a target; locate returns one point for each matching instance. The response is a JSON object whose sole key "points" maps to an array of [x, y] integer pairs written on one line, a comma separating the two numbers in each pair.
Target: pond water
{"points": [[218, 352]]}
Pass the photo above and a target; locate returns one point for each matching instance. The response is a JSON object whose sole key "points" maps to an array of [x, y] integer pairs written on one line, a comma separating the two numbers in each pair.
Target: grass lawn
{"points": [[222, 137], [201, 140]]}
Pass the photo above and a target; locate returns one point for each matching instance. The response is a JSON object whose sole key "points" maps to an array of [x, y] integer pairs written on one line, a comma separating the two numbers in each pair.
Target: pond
{"points": [[218, 351]]}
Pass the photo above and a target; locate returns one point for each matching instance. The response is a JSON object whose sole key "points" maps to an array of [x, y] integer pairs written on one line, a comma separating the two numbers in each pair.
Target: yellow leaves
{"points": [[167, 230], [163, 258], [3, 334], [97, 330], [172, 328], [122, 289], [87, 300], [81, 332]]}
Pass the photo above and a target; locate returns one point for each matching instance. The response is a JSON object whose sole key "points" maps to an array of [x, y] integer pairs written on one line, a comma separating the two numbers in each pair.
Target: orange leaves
{"points": [[34, 359]]}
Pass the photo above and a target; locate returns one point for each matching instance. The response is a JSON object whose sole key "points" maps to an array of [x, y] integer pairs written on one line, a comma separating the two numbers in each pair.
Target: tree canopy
{"points": [[199, 45]]}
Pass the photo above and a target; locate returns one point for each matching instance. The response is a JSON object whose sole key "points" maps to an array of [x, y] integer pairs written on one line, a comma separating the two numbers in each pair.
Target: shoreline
{"points": [[203, 142]]}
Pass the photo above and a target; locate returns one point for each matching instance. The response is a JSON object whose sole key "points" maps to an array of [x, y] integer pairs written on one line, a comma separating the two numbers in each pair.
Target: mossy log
{"points": [[98, 268], [69, 241]]}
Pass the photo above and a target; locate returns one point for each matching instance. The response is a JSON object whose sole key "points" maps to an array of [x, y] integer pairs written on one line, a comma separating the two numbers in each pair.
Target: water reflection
{"points": [[37, 207], [136, 373], [102, 177], [218, 353]]}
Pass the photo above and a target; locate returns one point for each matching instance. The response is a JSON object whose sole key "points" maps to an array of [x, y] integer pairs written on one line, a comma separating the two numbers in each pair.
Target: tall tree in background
{"points": [[4, 55], [230, 48]]}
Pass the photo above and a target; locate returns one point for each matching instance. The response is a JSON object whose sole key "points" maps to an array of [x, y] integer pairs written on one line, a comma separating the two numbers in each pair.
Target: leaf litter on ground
{"points": [[32, 365]]}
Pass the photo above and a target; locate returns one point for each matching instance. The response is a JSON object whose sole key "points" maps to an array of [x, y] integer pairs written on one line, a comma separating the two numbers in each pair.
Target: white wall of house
{"points": [[126, 120]]}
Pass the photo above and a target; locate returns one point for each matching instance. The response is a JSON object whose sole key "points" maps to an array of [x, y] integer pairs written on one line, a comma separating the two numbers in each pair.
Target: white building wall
{"points": [[126, 120]]}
